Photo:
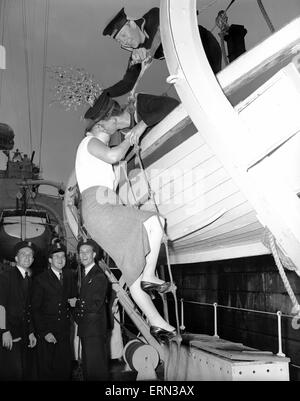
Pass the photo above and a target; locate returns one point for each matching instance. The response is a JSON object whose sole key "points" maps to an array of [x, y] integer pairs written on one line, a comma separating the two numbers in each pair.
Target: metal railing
{"points": [[215, 306]]}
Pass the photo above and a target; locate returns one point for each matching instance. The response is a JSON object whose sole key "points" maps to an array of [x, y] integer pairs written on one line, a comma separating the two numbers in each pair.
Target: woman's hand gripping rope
{"points": [[134, 134]]}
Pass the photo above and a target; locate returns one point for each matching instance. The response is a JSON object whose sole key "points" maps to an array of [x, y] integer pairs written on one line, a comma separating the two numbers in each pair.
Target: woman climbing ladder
{"points": [[131, 237]]}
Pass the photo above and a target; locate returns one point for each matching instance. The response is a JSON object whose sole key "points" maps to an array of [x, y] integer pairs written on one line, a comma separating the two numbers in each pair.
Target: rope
{"points": [[2, 41], [165, 237], [165, 93], [136, 204], [44, 76], [201, 10], [265, 15], [146, 62], [144, 65], [25, 33], [296, 306], [230, 4], [2, 13]]}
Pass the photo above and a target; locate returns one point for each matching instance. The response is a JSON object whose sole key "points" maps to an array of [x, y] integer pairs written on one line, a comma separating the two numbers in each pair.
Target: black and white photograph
{"points": [[149, 193]]}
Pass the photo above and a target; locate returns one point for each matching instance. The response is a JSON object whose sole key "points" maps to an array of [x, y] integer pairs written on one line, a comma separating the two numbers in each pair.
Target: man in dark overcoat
{"points": [[91, 314], [16, 326], [54, 292]]}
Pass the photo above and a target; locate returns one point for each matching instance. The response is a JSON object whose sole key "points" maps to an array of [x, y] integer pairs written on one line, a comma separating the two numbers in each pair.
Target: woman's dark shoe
{"points": [[149, 287], [162, 335]]}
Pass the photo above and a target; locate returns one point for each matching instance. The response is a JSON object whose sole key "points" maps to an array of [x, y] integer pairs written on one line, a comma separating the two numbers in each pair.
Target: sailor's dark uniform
{"points": [[52, 314], [17, 363], [91, 317]]}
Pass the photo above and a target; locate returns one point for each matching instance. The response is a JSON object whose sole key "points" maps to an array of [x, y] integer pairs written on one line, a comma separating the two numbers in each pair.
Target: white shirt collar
{"points": [[22, 271], [143, 30], [88, 268], [56, 273]]}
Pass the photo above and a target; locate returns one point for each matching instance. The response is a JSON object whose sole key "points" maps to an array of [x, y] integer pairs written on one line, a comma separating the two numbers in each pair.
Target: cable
{"points": [[2, 14], [207, 6], [25, 34], [44, 77], [296, 306], [265, 15], [165, 237]]}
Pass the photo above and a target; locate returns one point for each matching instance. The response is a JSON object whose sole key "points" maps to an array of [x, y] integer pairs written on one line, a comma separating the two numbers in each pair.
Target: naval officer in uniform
{"points": [[54, 293], [91, 314], [16, 326]]}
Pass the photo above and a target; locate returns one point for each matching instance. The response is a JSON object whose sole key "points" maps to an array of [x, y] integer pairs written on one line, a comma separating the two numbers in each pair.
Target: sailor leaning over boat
{"points": [[141, 37]]}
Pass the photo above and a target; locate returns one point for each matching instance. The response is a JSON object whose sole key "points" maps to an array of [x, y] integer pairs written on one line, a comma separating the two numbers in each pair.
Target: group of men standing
{"points": [[37, 315]]}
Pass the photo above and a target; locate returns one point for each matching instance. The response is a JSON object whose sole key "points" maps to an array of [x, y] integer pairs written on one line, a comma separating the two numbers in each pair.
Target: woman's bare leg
{"points": [[155, 233], [143, 300]]}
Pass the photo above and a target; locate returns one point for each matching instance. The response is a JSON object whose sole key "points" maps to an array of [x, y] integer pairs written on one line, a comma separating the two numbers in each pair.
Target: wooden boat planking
{"points": [[236, 225]]}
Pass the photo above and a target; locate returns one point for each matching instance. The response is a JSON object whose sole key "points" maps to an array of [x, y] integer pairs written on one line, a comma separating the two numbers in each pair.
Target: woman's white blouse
{"points": [[91, 171]]}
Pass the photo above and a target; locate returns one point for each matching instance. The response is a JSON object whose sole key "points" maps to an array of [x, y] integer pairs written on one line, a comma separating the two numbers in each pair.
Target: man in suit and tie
{"points": [[16, 327], [54, 292], [91, 314]]}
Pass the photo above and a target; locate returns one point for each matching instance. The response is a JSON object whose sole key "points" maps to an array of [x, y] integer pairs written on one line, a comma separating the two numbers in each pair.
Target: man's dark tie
{"points": [[26, 283], [61, 278]]}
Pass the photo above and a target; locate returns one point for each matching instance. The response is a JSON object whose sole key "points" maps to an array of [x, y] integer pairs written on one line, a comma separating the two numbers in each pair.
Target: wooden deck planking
{"points": [[194, 160], [248, 226], [288, 156], [197, 156], [225, 249], [165, 181], [249, 233], [219, 195], [200, 220], [254, 247], [276, 205], [198, 161], [234, 218], [189, 147], [170, 197]]}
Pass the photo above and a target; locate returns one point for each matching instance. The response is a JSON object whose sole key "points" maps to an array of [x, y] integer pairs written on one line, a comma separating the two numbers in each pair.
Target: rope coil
{"points": [[296, 306]]}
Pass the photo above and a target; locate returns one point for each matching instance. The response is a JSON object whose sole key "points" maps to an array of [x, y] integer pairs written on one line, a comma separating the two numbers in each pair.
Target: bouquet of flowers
{"points": [[74, 87]]}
